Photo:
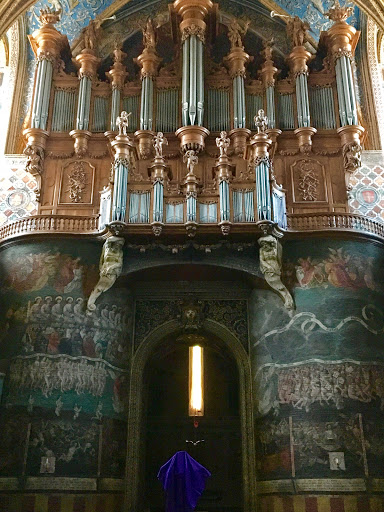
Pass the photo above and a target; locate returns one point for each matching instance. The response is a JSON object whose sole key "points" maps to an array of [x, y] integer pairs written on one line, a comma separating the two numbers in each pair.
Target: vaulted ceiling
{"points": [[77, 13]]}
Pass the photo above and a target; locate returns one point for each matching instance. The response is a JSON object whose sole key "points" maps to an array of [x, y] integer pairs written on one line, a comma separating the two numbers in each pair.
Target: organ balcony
{"points": [[290, 174]]}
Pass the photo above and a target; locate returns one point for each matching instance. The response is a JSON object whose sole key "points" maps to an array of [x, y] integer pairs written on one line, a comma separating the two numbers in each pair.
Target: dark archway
{"points": [[136, 422], [168, 426]]}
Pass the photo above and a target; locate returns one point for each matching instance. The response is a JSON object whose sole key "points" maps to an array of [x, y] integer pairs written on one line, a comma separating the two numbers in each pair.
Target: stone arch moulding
{"points": [[136, 409]]}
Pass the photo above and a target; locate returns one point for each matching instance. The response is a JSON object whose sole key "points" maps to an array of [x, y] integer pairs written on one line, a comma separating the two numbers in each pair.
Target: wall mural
{"points": [[63, 358], [319, 376], [302, 447]]}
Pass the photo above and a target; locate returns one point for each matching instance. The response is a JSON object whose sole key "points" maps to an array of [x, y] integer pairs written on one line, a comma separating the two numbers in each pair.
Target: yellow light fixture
{"points": [[196, 381]]}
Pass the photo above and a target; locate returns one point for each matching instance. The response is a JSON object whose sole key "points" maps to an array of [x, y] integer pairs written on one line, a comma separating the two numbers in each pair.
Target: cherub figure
{"points": [[261, 121], [35, 157], [223, 143], [158, 142], [235, 31], [122, 122], [149, 35], [192, 160], [297, 31]]}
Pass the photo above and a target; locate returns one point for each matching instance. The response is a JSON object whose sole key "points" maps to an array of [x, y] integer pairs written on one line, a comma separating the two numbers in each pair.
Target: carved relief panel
{"points": [[77, 183], [308, 181]]}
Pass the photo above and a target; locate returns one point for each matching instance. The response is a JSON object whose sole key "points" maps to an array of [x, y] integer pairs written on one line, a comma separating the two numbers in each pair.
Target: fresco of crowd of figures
{"points": [[318, 374]]}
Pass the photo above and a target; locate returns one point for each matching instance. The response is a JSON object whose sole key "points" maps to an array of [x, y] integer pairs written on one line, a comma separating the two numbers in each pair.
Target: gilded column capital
{"points": [[260, 144], [47, 42], [149, 62], [236, 61], [298, 60], [122, 146], [342, 38], [192, 13], [87, 63]]}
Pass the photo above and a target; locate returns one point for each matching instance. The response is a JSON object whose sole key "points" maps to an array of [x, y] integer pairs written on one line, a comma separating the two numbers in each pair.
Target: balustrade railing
{"points": [[66, 224], [50, 224], [334, 221]]}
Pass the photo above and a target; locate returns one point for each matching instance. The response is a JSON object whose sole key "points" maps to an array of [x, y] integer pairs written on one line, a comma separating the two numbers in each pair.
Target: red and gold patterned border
{"points": [[61, 503], [322, 503]]}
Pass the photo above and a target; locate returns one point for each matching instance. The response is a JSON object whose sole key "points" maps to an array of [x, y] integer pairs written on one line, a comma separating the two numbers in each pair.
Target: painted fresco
{"points": [[73, 445], [315, 439], [114, 448], [68, 369], [273, 445], [14, 433], [374, 436], [323, 367]]}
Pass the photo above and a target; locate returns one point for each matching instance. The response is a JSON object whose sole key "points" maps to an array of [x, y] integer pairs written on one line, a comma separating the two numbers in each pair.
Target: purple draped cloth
{"points": [[183, 480]]}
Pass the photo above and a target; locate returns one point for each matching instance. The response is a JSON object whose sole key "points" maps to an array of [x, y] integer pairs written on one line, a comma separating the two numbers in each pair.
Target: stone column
{"points": [[87, 62], [342, 40], [298, 60], [117, 75], [122, 146], [47, 43]]}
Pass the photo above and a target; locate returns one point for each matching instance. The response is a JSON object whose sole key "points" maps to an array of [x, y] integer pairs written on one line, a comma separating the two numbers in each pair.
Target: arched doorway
{"points": [[215, 442], [223, 349]]}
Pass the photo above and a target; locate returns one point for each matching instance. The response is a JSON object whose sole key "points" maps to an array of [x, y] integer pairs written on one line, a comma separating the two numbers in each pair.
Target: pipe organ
{"points": [[309, 137]]}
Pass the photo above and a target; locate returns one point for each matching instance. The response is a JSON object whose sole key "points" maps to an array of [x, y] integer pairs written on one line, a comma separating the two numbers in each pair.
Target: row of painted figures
{"points": [[76, 341], [58, 310], [327, 384], [63, 373]]}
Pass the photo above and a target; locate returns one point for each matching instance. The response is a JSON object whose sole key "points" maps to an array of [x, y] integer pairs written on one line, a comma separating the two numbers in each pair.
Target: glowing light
{"points": [[196, 376]]}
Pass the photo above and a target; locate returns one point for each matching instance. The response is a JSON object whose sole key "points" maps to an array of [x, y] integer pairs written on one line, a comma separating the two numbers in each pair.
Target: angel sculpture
{"points": [[261, 121], [122, 122], [149, 36], [268, 49], [91, 35], [192, 160], [235, 31], [158, 142], [297, 31], [223, 143]]}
